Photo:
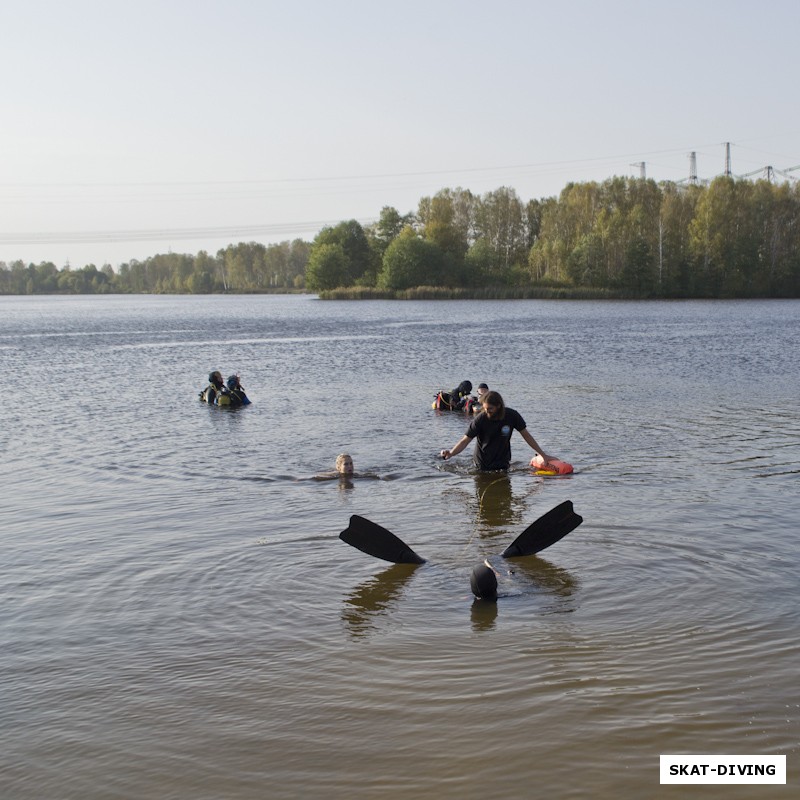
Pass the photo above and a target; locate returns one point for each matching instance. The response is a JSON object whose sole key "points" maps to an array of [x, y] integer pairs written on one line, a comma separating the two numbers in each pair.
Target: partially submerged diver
{"points": [[472, 404], [221, 393], [483, 582], [235, 394], [344, 464], [344, 470], [377, 541], [216, 386], [455, 400]]}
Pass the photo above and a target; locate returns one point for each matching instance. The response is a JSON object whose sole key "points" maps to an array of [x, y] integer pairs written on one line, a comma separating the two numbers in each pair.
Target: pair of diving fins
{"points": [[550, 528]]}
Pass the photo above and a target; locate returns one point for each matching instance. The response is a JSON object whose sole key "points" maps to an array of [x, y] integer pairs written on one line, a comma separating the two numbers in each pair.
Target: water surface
{"points": [[180, 619]]}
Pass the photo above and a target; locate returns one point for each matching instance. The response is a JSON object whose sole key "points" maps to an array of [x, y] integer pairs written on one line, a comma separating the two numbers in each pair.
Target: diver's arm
{"points": [[460, 445], [532, 442]]}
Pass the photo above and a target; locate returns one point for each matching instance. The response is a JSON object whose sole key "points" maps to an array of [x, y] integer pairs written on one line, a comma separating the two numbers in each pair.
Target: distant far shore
{"points": [[440, 293]]}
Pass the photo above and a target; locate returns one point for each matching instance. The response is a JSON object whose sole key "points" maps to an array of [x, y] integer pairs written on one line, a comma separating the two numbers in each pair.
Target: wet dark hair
{"points": [[215, 378], [495, 399]]}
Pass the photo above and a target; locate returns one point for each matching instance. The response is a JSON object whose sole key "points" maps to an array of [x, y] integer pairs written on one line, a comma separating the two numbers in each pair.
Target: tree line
{"points": [[243, 267], [627, 237]]}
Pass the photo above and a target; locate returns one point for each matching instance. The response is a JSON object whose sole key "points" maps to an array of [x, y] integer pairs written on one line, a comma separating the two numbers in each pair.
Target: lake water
{"points": [[180, 619]]}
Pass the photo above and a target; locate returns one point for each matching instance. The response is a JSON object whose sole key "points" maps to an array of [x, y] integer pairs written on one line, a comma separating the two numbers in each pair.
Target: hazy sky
{"points": [[134, 128]]}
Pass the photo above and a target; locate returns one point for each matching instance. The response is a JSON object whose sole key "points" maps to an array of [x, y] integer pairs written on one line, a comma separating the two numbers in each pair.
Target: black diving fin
{"points": [[376, 541], [548, 529]]}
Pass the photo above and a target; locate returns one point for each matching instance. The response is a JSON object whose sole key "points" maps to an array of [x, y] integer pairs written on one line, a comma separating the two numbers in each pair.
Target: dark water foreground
{"points": [[178, 618]]}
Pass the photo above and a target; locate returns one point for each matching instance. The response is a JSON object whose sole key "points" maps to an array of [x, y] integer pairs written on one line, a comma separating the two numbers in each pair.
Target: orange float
{"points": [[554, 467]]}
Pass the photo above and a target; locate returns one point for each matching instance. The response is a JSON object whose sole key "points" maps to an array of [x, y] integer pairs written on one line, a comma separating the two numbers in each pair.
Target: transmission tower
{"points": [[693, 168], [727, 159], [642, 170]]}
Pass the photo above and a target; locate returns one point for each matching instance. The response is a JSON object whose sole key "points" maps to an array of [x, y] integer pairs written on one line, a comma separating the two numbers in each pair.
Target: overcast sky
{"points": [[135, 128]]}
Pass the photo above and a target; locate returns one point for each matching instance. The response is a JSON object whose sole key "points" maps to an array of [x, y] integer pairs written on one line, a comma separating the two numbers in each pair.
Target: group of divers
{"points": [[228, 393], [491, 427]]}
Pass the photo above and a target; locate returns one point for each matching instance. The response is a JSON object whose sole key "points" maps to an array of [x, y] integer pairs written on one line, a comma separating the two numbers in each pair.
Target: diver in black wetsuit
{"points": [[216, 386], [236, 392], [456, 399]]}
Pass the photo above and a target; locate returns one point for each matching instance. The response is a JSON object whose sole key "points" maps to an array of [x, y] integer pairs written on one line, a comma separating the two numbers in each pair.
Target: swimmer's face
{"points": [[345, 466], [492, 411]]}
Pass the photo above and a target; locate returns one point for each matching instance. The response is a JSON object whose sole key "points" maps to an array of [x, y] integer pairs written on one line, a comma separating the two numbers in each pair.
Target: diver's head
{"points": [[344, 464], [215, 378], [233, 382], [483, 582], [493, 405]]}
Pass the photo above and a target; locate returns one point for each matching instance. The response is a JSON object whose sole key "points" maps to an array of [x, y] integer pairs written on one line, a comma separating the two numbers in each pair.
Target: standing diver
{"points": [[493, 428]]}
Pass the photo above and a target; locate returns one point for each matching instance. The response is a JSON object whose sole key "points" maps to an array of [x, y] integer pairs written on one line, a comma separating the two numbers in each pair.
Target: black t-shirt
{"points": [[493, 448]]}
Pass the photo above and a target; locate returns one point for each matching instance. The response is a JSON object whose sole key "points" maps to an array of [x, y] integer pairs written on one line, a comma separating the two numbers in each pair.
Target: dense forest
{"points": [[624, 237]]}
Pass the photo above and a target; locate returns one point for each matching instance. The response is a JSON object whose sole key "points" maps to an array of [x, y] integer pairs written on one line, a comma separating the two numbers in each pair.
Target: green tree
{"points": [[46, 278], [547, 260], [533, 223], [243, 266], [586, 262], [638, 274], [674, 259], [714, 237], [500, 219], [388, 227], [447, 221], [327, 267], [778, 208], [360, 262], [480, 262], [204, 268], [299, 253], [411, 261]]}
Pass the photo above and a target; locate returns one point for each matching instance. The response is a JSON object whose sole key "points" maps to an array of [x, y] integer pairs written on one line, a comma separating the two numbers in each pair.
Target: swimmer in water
{"points": [[344, 464], [344, 470]]}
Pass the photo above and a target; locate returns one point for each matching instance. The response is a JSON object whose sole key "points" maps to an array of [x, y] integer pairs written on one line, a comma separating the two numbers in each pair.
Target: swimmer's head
{"points": [[483, 582], [344, 464]]}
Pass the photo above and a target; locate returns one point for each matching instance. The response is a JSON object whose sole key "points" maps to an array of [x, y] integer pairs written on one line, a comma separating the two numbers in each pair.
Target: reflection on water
{"points": [[546, 576], [493, 492], [558, 586], [181, 620], [499, 502], [483, 614], [376, 597]]}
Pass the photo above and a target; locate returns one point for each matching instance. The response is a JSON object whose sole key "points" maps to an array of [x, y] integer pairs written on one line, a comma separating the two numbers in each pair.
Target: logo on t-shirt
{"points": [[506, 430]]}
